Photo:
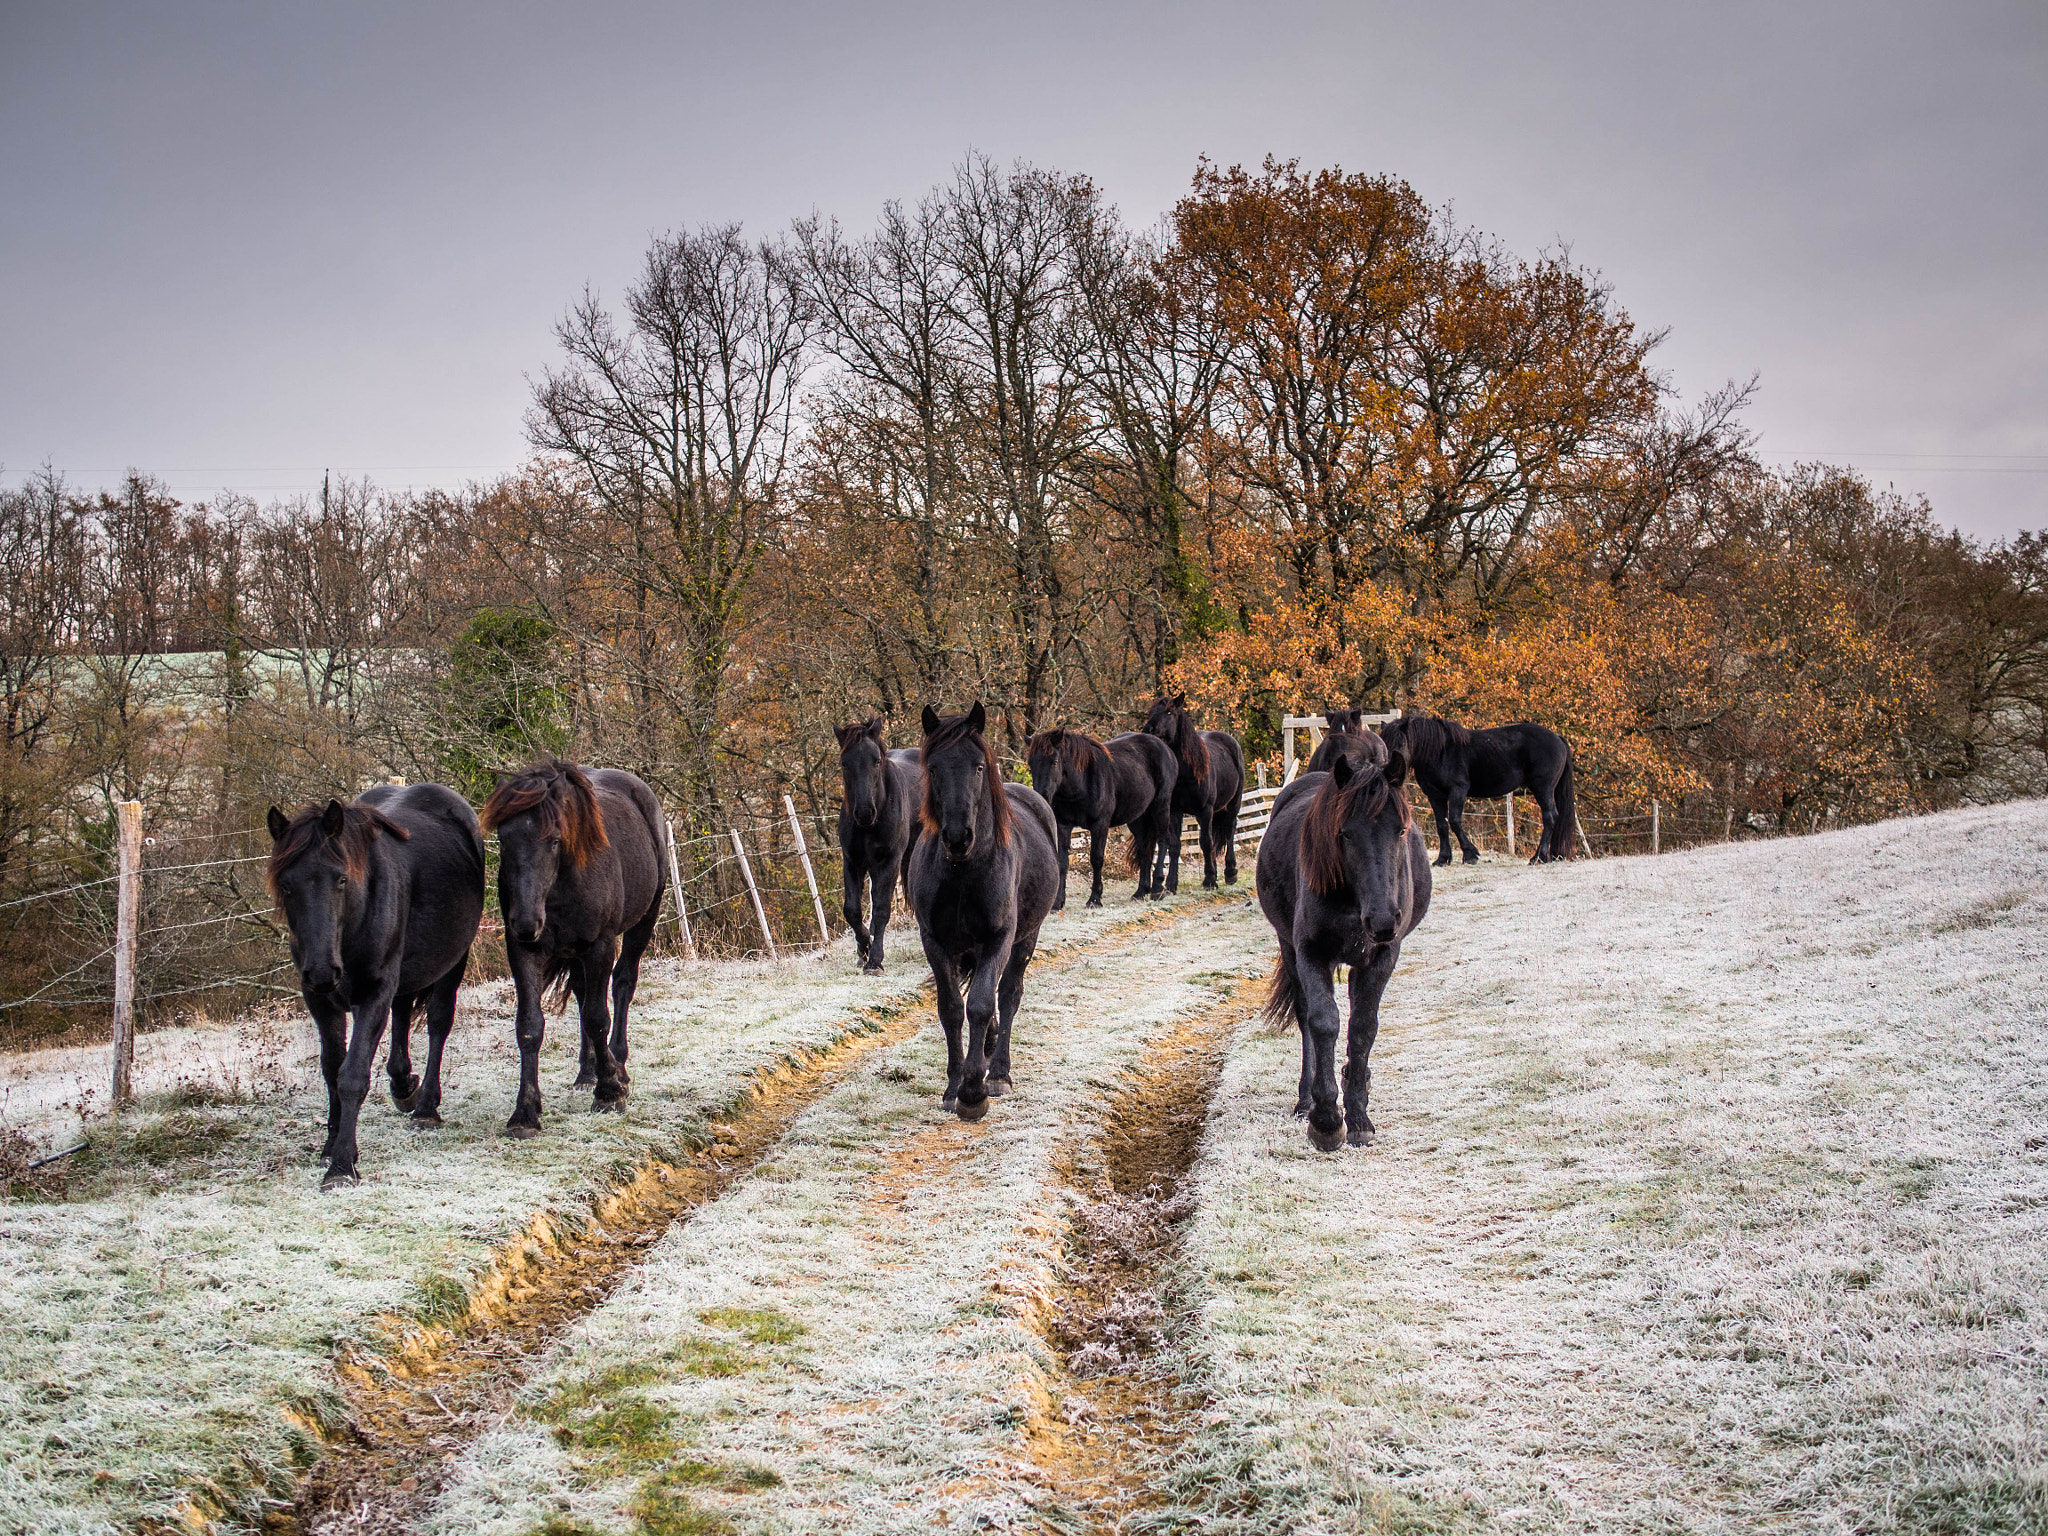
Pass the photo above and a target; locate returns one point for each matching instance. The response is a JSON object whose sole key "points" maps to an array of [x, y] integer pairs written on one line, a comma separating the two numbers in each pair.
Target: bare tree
{"points": [[682, 424]]}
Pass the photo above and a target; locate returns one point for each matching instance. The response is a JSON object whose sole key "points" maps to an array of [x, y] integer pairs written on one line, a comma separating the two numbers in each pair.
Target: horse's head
{"points": [[964, 804], [1395, 734], [1048, 762], [1169, 720], [319, 862], [1354, 844], [547, 820], [864, 770], [1348, 722]]}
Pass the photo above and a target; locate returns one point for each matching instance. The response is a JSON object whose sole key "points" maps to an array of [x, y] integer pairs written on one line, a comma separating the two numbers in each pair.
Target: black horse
{"points": [[382, 898], [1126, 782], [580, 877], [877, 822], [1453, 765], [1343, 875], [1210, 789], [1347, 736], [982, 878]]}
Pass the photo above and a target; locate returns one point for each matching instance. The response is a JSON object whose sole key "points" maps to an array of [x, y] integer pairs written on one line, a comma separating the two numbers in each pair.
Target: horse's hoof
{"points": [[585, 1080], [1301, 1109], [949, 1105], [426, 1120], [871, 970], [1445, 863], [1471, 858], [608, 1106], [519, 1131], [998, 1087], [1325, 1141], [340, 1179], [971, 1112], [1363, 1138], [1094, 901]]}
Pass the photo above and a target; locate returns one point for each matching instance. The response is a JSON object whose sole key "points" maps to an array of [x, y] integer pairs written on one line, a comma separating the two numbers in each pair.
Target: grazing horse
{"points": [[1210, 788], [580, 877], [1343, 875], [1453, 764], [382, 897], [982, 878], [877, 821], [1127, 782], [1347, 736]]}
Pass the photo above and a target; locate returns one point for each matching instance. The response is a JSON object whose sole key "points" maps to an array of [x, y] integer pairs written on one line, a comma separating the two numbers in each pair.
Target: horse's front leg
{"points": [[1063, 845], [529, 1029], [1098, 838], [595, 1012], [1368, 983], [1456, 805], [852, 877], [405, 1083], [1441, 811], [981, 1018], [1319, 1025], [946, 990], [332, 1021], [365, 1033], [1169, 855]]}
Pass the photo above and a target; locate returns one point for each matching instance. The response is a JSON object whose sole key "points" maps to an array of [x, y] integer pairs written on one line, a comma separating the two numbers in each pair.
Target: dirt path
{"points": [[416, 1410], [871, 1331]]}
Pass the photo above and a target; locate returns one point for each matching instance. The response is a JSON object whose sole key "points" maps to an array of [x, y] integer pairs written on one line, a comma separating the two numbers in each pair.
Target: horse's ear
{"points": [[843, 733], [931, 720], [1340, 771], [1396, 771], [1180, 701], [278, 823], [876, 726], [1054, 737], [977, 717], [332, 820]]}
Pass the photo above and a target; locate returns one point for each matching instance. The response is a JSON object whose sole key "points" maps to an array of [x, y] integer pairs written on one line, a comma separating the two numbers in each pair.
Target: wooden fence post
{"points": [[754, 891], [675, 886], [1511, 823], [127, 926], [1655, 826], [803, 854]]}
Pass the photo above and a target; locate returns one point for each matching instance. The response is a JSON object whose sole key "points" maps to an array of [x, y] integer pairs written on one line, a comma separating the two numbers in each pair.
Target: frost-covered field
{"points": [[1711, 1195], [172, 1327]]}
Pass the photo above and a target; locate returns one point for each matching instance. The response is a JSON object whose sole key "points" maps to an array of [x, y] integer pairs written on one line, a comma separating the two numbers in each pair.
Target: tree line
{"points": [[1307, 441]]}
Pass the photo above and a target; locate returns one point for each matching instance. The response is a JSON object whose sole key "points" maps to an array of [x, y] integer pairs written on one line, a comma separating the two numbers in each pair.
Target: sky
{"points": [[244, 244]]}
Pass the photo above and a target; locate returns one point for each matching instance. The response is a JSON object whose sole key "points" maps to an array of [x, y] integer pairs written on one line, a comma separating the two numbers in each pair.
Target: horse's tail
{"points": [[1567, 813], [1282, 1009]]}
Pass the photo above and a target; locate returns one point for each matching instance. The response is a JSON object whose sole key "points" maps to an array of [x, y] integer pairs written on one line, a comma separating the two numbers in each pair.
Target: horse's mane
{"points": [[1186, 738], [954, 729], [1431, 738], [1077, 749], [361, 825], [560, 794], [1322, 854], [849, 735]]}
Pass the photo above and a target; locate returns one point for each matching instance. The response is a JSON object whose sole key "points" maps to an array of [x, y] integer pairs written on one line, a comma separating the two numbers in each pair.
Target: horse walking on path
{"points": [[1210, 788], [877, 824], [1345, 734], [982, 878], [1343, 875], [1454, 764], [1126, 782], [580, 877], [382, 898]]}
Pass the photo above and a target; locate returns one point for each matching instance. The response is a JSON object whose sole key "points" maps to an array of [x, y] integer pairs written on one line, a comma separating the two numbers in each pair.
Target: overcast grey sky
{"points": [[239, 244]]}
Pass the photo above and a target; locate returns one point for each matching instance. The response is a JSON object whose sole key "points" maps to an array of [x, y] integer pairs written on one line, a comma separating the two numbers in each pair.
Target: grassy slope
{"points": [[156, 1326], [1704, 1201]]}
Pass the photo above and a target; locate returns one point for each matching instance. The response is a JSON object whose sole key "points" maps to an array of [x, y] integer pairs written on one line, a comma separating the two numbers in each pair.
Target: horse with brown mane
{"points": [[1210, 788], [1343, 875], [1345, 734], [982, 878], [1124, 782], [580, 877], [877, 823], [1454, 764], [382, 898]]}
